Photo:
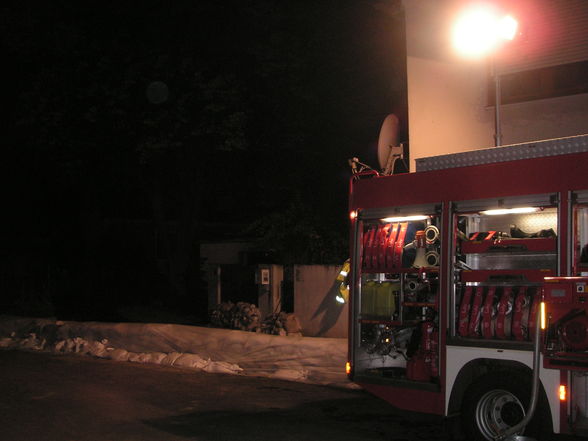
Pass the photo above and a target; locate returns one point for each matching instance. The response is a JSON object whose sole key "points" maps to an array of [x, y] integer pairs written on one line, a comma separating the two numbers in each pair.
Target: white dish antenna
{"points": [[389, 149]]}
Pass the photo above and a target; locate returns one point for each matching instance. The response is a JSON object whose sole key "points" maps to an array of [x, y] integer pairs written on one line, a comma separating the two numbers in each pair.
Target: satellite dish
{"points": [[389, 149]]}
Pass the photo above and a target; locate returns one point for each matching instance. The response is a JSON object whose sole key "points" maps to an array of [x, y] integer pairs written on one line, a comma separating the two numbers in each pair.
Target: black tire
{"points": [[499, 400]]}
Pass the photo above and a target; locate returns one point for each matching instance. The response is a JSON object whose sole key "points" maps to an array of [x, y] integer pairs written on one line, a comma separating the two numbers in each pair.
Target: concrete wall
{"points": [[447, 95], [269, 298], [315, 288]]}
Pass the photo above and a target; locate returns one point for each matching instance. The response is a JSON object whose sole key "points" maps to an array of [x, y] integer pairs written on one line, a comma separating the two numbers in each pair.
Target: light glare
{"points": [[473, 35], [507, 27], [347, 368], [562, 392], [479, 29], [405, 218], [519, 210]]}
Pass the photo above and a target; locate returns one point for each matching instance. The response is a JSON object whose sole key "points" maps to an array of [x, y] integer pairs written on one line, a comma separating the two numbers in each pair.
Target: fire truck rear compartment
{"points": [[398, 320], [496, 290], [464, 276]]}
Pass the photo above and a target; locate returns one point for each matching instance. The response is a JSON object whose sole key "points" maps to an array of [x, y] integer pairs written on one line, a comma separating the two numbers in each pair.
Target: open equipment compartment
{"points": [[503, 249], [398, 291], [580, 233]]}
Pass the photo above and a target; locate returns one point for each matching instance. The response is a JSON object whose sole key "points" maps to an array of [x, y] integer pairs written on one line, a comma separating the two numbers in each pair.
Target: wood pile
{"points": [[222, 315], [246, 317], [281, 323]]}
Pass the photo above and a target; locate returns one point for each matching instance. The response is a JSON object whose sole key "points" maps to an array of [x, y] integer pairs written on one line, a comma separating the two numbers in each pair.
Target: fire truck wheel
{"points": [[497, 401]]}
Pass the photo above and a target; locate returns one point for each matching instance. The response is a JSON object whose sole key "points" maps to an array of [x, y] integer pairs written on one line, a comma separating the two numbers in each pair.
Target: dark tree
{"points": [[148, 124]]}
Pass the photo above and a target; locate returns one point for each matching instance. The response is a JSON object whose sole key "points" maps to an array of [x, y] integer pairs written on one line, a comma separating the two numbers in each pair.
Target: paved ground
{"points": [[72, 397]]}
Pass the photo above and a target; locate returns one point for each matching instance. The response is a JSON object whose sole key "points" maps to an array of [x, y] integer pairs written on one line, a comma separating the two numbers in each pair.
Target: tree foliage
{"points": [[293, 236], [184, 114]]}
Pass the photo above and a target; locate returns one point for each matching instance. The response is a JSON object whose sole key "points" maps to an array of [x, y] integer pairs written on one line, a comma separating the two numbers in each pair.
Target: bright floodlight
{"points": [[479, 29], [507, 27]]}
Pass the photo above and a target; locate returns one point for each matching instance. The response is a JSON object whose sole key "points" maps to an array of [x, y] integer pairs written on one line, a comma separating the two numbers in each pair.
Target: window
{"points": [[547, 82]]}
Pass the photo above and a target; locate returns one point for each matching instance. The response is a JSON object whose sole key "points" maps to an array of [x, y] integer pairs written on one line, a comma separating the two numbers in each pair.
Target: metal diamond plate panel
{"points": [[536, 149]]}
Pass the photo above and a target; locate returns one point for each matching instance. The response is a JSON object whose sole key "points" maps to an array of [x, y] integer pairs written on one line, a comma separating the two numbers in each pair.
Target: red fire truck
{"points": [[449, 266]]}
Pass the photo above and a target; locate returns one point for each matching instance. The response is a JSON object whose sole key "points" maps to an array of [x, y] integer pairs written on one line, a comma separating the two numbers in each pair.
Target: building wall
{"points": [[545, 119], [446, 108], [447, 96], [223, 252], [315, 288]]}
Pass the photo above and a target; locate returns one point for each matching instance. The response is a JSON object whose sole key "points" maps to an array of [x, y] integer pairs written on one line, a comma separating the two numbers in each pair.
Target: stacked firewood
{"points": [[222, 315], [246, 317], [281, 323]]}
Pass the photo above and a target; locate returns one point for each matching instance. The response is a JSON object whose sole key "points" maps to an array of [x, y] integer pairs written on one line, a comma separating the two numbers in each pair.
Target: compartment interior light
{"points": [[562, 392], [405, 218], [543, 318], [519, 210]]}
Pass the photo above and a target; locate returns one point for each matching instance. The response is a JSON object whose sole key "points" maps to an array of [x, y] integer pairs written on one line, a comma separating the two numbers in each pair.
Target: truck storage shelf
{"points": [[541, 244], [506, 276], [428, 269], [373, 321], [487, 343], [419, 304]]}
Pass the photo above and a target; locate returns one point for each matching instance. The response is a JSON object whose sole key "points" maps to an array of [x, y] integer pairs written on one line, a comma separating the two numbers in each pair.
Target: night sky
{"points": [[136, 130]]}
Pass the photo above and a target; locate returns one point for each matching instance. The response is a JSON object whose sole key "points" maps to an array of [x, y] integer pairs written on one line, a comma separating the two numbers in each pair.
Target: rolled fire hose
{"points": [[431, 234], [432, 258]]}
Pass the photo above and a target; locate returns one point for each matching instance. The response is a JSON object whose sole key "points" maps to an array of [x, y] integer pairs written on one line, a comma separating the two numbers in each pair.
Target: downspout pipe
{"points": [[497, 103]]}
